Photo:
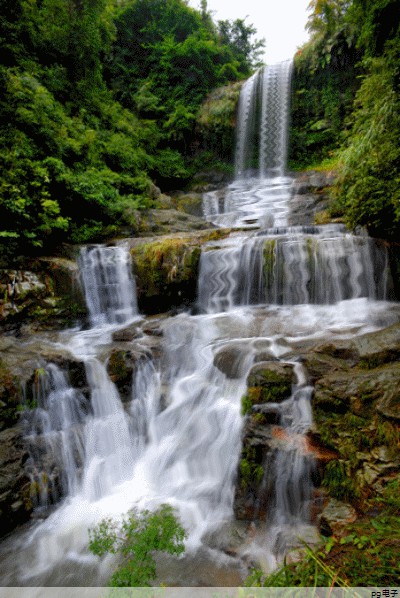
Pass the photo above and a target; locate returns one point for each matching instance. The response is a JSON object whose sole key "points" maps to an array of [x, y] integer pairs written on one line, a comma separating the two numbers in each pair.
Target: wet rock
{"points": [[336, 516], [336, 391], [229, 537], [191, 203], [166, 270], [367, 351], [318, 365], [122, 364], [166, 221], [15, 505], [229, 361], [378, 348], [264, 356], [269, 383], [310, 197], [127, 334], [10, 396]]}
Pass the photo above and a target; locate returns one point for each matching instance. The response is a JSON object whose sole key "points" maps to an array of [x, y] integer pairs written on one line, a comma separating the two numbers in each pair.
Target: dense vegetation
{"points": [[346, 107], [99, 101]]}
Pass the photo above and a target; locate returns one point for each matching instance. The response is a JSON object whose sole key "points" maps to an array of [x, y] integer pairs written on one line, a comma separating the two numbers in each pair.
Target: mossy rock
{"points": [[268, 382], [191, 203], [122, 364], [337, 391], [166, 270]]}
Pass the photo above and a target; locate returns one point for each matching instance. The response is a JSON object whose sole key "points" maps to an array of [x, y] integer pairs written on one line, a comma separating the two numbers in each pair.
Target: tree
{"points": [[238, 37], [135, 539]]}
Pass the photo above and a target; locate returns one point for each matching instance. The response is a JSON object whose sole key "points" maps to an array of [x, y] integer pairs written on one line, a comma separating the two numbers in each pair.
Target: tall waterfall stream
{"points": [[178, 439]]}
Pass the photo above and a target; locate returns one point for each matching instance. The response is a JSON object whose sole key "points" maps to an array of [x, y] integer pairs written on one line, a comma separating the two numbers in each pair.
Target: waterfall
{"points": [[325, 267], [262, 122], [54, 437], [108, 284], [177, 439], [259, 195]]}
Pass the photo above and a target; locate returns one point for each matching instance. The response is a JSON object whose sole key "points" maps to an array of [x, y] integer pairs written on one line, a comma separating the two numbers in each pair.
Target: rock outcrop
{"points": [[355, 438], [166, 269], [44, 292]]}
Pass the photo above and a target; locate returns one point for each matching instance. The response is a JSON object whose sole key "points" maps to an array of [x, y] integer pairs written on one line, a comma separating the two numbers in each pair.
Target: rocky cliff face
{"points": [[44, 292]]}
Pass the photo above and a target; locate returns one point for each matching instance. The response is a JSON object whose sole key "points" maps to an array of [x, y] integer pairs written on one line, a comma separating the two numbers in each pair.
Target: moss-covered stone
{"points": [[122, 364], [268, 382], [166, 270]]}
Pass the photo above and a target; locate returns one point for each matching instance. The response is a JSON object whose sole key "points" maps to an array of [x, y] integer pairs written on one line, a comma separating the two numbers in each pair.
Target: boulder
{"points": [[166, 270], [190, 203], [335, 516], [122, 364], [272, 379], [337, 391], [229, 361]]}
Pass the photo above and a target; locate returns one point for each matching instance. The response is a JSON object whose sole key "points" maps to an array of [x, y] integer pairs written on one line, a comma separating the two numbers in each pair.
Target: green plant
{"points": [[135, 539]]}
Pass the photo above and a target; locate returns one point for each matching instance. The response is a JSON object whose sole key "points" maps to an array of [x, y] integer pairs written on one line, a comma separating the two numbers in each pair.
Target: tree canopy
{"points": [[99, 99]]}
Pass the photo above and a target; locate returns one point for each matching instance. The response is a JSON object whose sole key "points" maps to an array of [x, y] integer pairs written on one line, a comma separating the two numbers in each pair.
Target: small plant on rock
{"points": [[135, 539]]}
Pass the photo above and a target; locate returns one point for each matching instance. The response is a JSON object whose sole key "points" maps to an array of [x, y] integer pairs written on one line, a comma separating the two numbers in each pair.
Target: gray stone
{"points": [[229, 361], [336, 516]]}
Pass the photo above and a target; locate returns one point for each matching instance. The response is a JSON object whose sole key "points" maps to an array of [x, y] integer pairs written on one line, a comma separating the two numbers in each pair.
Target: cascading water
{"points": [[262, 116], [108, 284], [178, 439], [290, 267], [259, 195]]}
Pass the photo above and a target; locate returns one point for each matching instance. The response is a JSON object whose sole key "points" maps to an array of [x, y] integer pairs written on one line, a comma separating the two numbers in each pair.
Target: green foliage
{"points": [[216, 121], [134, 540], [368, 188], [346, 103], [339, 481], [98, 98], [237, 36]]}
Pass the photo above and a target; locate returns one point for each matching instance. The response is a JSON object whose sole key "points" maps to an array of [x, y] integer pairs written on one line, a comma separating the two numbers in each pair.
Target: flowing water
{"points": [[177, 439]]}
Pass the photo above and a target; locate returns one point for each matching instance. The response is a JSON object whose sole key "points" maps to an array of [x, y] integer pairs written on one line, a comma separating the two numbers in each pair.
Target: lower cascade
{"points": [[181, 434]]}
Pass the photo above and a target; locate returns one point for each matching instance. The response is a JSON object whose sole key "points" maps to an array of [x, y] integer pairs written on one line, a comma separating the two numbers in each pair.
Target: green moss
{"points": [[271, 386], [269, 258], [119, 367], [251, 472], [216, 121], [253, 397], [169, 260], [352, 437], [259, 418]]}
